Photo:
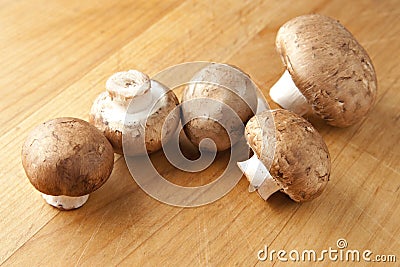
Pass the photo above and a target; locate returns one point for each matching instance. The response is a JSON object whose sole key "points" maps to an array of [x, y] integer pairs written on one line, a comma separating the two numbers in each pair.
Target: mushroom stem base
{"points": [[259, 177], [268, 187], [65, 202], [285, 93]]}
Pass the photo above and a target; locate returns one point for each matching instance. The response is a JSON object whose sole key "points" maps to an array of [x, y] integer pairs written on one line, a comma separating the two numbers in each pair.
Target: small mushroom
{"points": [[222, 98], [135, 107], [327, 71], [289, 155], [67, 159]]}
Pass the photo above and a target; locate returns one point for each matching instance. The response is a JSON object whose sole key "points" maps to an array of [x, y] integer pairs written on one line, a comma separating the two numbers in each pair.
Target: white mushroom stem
{"points": [[131, 88], [65, 202], [139, 103], [285, 93], [259, 177]]}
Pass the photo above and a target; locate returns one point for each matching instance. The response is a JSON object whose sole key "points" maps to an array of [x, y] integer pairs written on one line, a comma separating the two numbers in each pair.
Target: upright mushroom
{"points": [[289, 155], [216, 104], [67, 159], [135, 107], [327, 71]]}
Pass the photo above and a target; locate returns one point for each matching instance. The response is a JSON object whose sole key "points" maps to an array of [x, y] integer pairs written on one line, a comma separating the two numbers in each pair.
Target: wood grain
{"points": [[56, 58]]}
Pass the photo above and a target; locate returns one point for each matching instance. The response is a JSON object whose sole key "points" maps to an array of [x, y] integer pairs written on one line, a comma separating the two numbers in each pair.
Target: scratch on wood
{"points": [[92, 237], [204, 235]]}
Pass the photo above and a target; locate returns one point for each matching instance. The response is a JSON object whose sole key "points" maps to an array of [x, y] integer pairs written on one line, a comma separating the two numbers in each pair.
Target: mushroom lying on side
{"points": [[67, 159], [228, 90], [136, 107], [327, 71], [289, 155]]}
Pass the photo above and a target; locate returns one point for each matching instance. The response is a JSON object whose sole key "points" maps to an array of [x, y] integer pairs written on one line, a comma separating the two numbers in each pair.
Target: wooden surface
{"points": [[56, 57]]}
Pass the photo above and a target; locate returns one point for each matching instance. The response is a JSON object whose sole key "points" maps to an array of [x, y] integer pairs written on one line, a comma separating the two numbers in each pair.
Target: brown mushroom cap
{"points": [[227, 85], [330, 68], [67, 156], [301, 163]]}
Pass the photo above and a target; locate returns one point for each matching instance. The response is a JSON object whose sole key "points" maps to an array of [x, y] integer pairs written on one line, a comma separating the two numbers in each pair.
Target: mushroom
{"points": [[289, 155], [327, 71], [135, 107], [67, 159], [218, 101]]}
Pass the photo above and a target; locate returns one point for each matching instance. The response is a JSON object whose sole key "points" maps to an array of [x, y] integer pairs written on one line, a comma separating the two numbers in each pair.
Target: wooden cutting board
{"points": [[55, 58]]}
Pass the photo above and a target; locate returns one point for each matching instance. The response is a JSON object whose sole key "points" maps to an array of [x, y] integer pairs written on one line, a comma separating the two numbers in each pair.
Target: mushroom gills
{"points": [[65, 202], [286, 94], [259, 177]]}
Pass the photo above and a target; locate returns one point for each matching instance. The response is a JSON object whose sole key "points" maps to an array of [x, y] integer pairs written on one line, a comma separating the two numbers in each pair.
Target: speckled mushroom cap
{"points": [[295, 153], [67, 156], [143, 132], [231, 90], [330, 68]]}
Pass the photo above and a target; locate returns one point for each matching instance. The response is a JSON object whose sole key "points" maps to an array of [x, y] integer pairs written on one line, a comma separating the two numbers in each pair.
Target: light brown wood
{"points": [[55, 59]]}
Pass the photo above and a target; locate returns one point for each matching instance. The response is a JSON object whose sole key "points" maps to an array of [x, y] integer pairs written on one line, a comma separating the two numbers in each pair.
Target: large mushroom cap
{"points": [[67, 156], [330, 68], [233, 101], [295, 154]]}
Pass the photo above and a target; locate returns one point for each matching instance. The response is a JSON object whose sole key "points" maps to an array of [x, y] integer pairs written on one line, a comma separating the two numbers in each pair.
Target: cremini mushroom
{"points": [[135, 107], [289, 155], [327, 71], [67, 159], [218, 101]]}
